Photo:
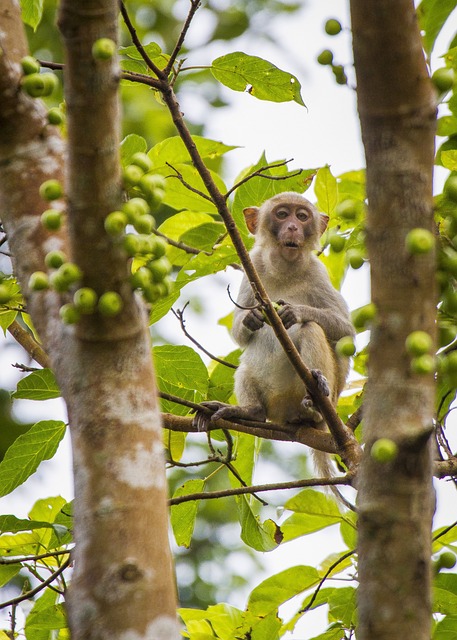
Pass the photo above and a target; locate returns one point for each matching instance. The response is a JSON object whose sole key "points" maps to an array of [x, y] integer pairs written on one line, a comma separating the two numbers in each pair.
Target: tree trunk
{"points": [[123, 583], [396, 105]]}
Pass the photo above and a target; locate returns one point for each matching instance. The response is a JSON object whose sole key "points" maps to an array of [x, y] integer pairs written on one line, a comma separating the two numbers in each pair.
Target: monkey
{"points": [[287, 230]]}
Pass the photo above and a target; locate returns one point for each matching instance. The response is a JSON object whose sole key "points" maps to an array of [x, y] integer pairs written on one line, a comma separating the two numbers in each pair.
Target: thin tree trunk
{"points": [[123, 582], [397, 112]]}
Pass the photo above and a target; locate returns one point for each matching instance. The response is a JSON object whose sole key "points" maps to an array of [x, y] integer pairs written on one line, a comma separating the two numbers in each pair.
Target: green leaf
{"points": [[348, 529], [446, 629], [342, 606], [218, 621], [153, 51], [11, 523], [313, 511], [183, 515], [180, 371], [326, 190], [8, 572], [260, 78], [335, 632], [175, 442], [221, 378], [261, 536], [449, 159], [277, 589], [32, 12], [432, 16], [130, 145], [444, 602], [62, 527], [25, 454], [178, 196], [45, 616], [174, 151], [39, 385]]}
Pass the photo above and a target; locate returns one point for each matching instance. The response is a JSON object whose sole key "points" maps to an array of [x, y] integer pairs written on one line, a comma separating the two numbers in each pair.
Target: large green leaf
{"points": [[10, 523], [32, 12], [277, 589], [313, 511], [181, 372], [178, 196], [326, 190], [38, 385], [8, 572], [260, 78], [261, 536], [432, 15], [343, 606], [174, 151], [183, 515], [446, 629], [130, 145], [28, 451], [45, 616], [221, 378]]}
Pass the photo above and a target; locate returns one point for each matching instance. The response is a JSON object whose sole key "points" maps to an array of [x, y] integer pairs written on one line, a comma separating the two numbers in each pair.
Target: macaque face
{"points": [[291, 223]]}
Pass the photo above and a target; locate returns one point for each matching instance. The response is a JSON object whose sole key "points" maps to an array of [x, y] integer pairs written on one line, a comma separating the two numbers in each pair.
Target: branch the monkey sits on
{"points": [[287, 228]]}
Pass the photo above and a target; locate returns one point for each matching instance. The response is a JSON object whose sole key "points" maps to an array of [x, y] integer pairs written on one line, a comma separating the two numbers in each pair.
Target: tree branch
{"points": [[40, 587], [28, 342], [259, 488]]}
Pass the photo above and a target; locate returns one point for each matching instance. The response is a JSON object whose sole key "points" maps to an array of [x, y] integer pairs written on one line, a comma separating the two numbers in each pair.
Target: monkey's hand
{"points": [[288, 314], [254, 320], [226, 412], [322, 383]]}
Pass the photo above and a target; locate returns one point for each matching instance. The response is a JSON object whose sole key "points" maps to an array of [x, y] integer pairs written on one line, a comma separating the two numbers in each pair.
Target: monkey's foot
{"points": [[321, 380], [226, 412]]}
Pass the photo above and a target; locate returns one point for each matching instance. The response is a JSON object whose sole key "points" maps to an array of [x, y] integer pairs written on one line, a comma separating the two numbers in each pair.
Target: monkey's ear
{"points": [[323, 222], [251, 215]]}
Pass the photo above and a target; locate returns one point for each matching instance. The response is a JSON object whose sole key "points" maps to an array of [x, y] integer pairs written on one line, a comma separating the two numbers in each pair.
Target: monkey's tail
{"points": [[325, 467]]}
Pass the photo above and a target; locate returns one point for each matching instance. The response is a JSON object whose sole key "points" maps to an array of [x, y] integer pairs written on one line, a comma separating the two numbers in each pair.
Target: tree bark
{"points": [[123, 583], [397, 108]]}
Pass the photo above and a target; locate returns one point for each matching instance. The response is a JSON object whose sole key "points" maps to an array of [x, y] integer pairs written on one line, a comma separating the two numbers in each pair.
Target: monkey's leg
{"points": [[227, 412]]}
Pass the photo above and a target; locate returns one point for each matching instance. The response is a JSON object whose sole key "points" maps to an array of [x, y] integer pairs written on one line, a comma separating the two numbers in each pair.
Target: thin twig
{"points": [[194, 5], [326, 575], [259, 174], [136, 41], [180, 177], [179, 314], [40, 556], [258, 488], [28, 342], [181, 245], [40, 587]]}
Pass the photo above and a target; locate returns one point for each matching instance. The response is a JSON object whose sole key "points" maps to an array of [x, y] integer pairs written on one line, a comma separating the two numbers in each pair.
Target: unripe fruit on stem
{"points": [[58, 282], [443, 79], [51, 190], [167, 284], [356, 258], [337, 242], [30, 65], [55, 116], [325, 57], [38, 281], [143, 161], [345, 346], [447, 560], [146, 244], [347, 209], [450, 188], [423, 365], [384, 450], [152, 293], [132, 174], [339, 73], [447, 260], [33, 85], [159, 268], [69, 313], [160, 247], [141, 278], [54, 259], [115, 223], [419, 241], [51, 219], [144, 223], [110, 304], [362, 317], [332, 27], [418, 343], [135, 207], [449, 363], [103, 49], [132, 244], [70, 272], [5, 293], [85, 300], [50, 83]]}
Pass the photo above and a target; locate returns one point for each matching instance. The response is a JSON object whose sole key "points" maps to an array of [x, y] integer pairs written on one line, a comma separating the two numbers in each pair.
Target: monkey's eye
{"points": [[302, 215], [282, 213]]}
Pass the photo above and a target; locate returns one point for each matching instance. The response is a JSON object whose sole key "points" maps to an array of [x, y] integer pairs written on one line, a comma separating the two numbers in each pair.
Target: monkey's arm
{"points": [[334, 320]]}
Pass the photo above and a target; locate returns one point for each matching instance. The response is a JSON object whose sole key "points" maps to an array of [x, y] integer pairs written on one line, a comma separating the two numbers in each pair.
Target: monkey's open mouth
{"points": [[291, 244]]}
